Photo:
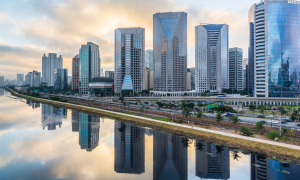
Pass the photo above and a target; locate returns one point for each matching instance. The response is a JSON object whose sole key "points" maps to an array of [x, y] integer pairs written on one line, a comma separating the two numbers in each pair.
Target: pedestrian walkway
{"points": [[186, 126]]}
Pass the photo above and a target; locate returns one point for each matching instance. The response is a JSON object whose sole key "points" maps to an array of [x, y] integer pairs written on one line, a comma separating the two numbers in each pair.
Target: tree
{"points": [[252, 108], [186, 113], [235, 120], [284, 132], [199, 115], [260, 126], [262, 109], [219, 117]]}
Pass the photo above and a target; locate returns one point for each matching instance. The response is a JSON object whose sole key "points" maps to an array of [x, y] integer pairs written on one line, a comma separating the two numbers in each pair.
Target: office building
{"points": [[129, 60], [110, 74], [244, 78], [89, 127], [69, 80], [48, 65], [5, 82], [245, 62], [212, 162], [192, 78], [75, 72], [169, 157], [60, 79], [188, 79], [35, 79], [129, 149], [170, 51], [149, 59], [2, 83], [211, 55], [248, 78], [20, 79], [274, 43], [148, 79], [236, 69], [89, 68], [102, 72], [28, 78], [101, 85]]}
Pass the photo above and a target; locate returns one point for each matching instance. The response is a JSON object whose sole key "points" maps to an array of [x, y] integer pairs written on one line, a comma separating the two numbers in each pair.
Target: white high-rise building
{"points": [[102, 72], [129, 60], [20, 79], [48, 65], [211, 55], [89, 68], [236, 69]]}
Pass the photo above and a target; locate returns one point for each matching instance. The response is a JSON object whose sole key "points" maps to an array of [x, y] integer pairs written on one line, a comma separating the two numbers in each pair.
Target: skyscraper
{"points": [[2, 81], [274, 43], [28, 78], [129, 60], [75, 72], [188, 79], [169, 157], [60, 79], [102, 72], [36, 79], [129, 149], [48, 65], [244, 78], [89, 68], [211, 58], [110, 74], [149, 59], [192, 78], [236, 69], [20, 79], [170, 51]]}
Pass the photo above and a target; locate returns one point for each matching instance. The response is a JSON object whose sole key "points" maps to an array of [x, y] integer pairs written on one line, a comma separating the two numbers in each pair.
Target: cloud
{"points": [[62, 27]]}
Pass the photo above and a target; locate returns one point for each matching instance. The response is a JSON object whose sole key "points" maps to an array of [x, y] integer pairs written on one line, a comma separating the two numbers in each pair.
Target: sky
{"points": [[31, 28]]}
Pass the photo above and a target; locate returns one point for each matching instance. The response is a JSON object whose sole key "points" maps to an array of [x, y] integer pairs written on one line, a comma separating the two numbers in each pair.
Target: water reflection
{"points": [[52, 116], [129, 148], [169, 156], [2, 92], [33, 104], [212, 161]]}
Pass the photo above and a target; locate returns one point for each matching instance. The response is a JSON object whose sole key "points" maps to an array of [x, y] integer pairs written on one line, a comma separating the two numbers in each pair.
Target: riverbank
{"points": [[270, 148]]}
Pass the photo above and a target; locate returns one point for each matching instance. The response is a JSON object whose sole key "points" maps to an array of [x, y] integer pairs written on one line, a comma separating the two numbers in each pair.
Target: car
{"points": [[270, 117], [274, 122], [287, 119], [260, 116]]}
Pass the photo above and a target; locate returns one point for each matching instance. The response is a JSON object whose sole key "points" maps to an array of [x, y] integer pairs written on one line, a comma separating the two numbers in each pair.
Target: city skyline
{"points": [[23, 43]]}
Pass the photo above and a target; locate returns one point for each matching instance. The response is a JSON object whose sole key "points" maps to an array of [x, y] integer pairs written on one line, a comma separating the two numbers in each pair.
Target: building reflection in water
{"points": [[33, 104], [263, 168], [169, 156], [52, 116], [1, 92], [75, 121], [89, 127], [129, 149], [212, 162]]}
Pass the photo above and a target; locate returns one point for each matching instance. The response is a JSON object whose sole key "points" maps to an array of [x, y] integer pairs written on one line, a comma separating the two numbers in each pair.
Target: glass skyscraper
{"points": [[211, 57], [236, 69], [89, 65], [274, 45], [60, 79], [129, 60], [170, 51]]}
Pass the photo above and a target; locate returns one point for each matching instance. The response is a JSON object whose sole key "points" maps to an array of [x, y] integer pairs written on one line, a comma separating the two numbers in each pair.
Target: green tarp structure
{"points": [[210, 106]]}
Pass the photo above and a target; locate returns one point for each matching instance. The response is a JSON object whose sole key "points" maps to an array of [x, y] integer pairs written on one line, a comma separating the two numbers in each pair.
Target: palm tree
{"points": [[219, 117], [199, 115], [235, 120], [262, 110], [200, 146], [186, 112], [185, 142], [235, 155]]}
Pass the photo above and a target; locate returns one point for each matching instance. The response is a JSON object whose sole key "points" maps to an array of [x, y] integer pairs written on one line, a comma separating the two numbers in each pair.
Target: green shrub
{"points": [[246, 131], [63, 100], [180, 121], [272, 134]]}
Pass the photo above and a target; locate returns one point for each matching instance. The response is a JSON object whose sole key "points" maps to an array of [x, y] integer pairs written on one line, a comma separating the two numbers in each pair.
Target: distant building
{"points": [[188, 80], [170, 51], [102, 72], [236, 69], [129, 149], [89, 68], [245, 62], [247, 77], [75, 72], [192, 78], [211, 57], [60, 79], [110, 74], [6, 82], [244, 78], [20, 79], [2, 81], [104, 84], [148, 79], [36, 79], [69, 80], [28, 78], [149, 59], [48, 65], [129, 60]]}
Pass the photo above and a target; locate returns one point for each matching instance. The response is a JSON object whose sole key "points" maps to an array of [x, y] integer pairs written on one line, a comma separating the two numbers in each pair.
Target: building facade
{"points": [[274, 43], [244, 78], [188, 79], [89, 65], [48, 65], [75, 72], [28, 78], [110, 74], [170, 51], [211, 56], [192, 78], [2, 81], [129, 60], [60, 79], [236, 69], [20, 79], [149, 59], [35, 79], [148, 79]]}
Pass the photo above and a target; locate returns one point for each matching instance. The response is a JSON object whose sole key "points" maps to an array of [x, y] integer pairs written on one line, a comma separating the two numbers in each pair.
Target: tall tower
{"points": [[48, 65], [89, 68], [170, 51], [129, 60], [236, 69], [211, 55], [75, 72], [274, 43]]}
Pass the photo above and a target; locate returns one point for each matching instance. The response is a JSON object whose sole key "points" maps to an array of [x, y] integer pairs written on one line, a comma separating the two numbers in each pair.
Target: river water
{"points": [[39, 141]]}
